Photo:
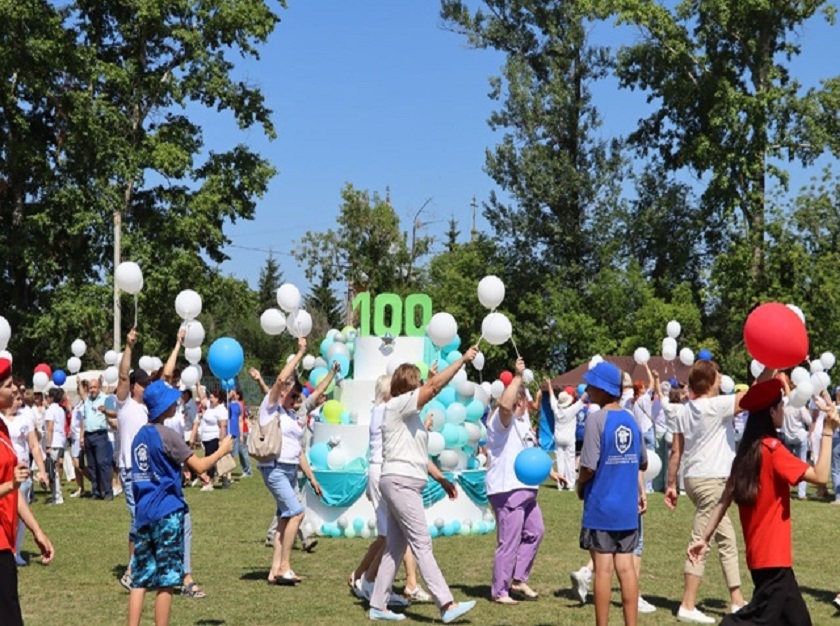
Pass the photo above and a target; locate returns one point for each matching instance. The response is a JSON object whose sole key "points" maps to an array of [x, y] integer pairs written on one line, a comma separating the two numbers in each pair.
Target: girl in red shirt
{"points": [[762, 474]]}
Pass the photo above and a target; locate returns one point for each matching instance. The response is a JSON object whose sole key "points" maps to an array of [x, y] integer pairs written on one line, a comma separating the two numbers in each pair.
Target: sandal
{"points": [[289, 579], [192, 590], [505, 600]]}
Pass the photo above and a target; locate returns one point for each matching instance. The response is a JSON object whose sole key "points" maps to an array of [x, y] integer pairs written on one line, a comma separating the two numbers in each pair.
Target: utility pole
{"points": [[117, 310], [473, 231]]}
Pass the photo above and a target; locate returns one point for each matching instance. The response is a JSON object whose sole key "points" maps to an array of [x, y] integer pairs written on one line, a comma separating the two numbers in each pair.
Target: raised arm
{"points": [[257, 378], [322, 386], [436, 383], [288, 370], [651, 380], [125, 366], [169, 367], [508, 400]]}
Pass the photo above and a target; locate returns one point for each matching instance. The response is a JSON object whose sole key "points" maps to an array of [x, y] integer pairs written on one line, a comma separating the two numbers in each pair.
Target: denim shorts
{"points": [[281, 480], [158, 560], [128, 492]]}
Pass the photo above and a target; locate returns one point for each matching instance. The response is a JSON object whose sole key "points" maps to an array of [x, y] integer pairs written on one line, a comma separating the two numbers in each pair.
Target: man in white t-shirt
{"points": [[131, 417], [54, 423]]}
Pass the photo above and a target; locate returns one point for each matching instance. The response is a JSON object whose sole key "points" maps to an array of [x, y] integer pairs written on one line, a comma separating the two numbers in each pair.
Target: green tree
{"points": [[452, 235], [271, 277], [323, 304]]}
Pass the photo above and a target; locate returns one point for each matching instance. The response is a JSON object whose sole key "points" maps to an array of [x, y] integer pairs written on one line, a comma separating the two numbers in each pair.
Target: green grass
{"points": [[230, 562]]}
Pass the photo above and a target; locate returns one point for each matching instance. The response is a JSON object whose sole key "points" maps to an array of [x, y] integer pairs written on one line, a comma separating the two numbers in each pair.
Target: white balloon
{"points": [[797, 310], [460, 377], [319, 362], [194, 335], [5, 333], [756, 368], [798, 400], [654, 466], [299, 323], [448, 460], [825, 379], [341, 522], [200, 371], [496, 329], [40, 380], [641, 356], [190, 376], [192, 355], [365, 533], [338, 348], [595, 360], [488, 388], [188, 304], [669, 344], [273, 322], [805, 388], [439, 523], [146, 363], [673, 329], [687, 357], [527, 377], [336, 459], [288, 297], [111, 375], [308, 362], [436, 443], [74, 364], [818, 382], [727, 385], [497, 389], [482, 460], [816, 366], [442, 329], [339, 338], [110, 357], [478, 361], [466, 389], [156, 363], [5, 354], [491, 292], [78, 348], [481, 395], [799, 375], [473, 433], [129, 277], [669, 354], [828, 360]]}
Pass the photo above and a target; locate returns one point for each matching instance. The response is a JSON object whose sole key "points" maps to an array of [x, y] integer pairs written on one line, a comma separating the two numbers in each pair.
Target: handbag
{"points": [[226, 464]]}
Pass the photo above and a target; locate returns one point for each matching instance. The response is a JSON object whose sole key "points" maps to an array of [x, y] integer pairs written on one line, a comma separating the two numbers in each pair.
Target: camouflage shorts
{"points": [[159, 553]]}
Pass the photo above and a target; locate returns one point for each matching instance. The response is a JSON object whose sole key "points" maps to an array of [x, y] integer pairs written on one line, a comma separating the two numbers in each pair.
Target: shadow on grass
{"points": [[480, 592], [666, 604], [821, 595], [260, 575], [118, 570], [210, 622]]}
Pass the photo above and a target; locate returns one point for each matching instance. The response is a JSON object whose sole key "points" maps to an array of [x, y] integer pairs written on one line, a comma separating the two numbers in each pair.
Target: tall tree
{"points": [[322, 302], [271, 277], [452, 234]]}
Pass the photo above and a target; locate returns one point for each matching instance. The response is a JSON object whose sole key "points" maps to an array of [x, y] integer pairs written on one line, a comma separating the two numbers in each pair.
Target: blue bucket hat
{"points": [[606, 377], [158, 397]]}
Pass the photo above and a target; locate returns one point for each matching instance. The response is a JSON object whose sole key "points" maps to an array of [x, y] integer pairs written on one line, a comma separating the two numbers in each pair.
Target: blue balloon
{"points": [[344, 418], [704, 355], [343, 363], [450, 435], [318, 456], [475, 409], [453, 356], [229, 384], [472, 463], [482, 528], [452, 345], [225, 357], [358, 524], [532, 466], [580, 389], [456, 526], [446, 396], [316, 374], [448, 529], [59, 377], [306, 392], [433, 531]]}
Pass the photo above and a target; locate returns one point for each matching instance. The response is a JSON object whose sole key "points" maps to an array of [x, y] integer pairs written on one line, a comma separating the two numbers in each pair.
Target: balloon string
{"points": [[135, 310], [514, 346]]}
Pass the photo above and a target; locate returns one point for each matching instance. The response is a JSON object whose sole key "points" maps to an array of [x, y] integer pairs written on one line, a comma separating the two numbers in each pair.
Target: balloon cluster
{"points": [[298, 323], [188, 306]]}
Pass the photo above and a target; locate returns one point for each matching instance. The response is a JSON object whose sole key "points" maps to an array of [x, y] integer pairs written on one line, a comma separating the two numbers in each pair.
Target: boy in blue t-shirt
{"points": [[611, 485], [157, 454]]}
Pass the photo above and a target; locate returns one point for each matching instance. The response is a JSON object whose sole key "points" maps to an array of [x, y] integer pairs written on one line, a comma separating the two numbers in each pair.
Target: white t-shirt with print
{"points": [[19, 428], [131, 417], [503, 444], [55, 414], [405, 441], [709, 432]]}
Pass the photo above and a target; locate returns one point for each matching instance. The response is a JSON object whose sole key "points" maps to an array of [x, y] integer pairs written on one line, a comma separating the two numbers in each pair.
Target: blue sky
{"points": [[377, 94]]}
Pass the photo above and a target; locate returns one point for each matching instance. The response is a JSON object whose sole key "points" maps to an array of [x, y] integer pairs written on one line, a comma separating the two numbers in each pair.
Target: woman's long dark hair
{"points": [[746, 468]]}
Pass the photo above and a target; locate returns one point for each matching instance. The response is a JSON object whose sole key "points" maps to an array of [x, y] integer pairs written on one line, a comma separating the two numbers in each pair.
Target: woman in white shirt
{"points": [[519, 521], [565, 411], [212, 427], [54, 423], [405, 472]]}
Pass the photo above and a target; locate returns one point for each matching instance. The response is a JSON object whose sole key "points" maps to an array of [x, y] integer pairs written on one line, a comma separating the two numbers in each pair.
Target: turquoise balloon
{"points": [[469, 451], [433, 531], [225, 357], [463, 437], [452, 345], [344, 418], [318, 456], [317, 374], [434, 405], [343, 363], [472, 463], [442, 365], [482, 528], [358, 524], [453, 356], [446, 396], [532, 466], [448, 530], [475, 410], [456, 526], [456, 413], [325, 345], [450, 435]]}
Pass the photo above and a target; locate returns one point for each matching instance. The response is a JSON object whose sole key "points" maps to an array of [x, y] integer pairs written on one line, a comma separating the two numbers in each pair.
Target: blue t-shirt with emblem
{"points": [[157, 455], [614, 449], [580, 419]]}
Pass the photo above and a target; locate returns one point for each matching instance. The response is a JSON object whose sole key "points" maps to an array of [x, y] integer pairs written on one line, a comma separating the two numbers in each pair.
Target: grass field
{"points": [[229, 560]]}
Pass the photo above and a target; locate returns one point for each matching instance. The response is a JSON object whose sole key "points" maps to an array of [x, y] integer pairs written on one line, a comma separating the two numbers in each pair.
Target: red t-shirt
{"points": [[8, 503], [767, 524]]}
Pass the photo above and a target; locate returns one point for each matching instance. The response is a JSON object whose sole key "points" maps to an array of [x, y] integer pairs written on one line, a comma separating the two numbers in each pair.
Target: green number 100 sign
{"points": [[390, 315]]}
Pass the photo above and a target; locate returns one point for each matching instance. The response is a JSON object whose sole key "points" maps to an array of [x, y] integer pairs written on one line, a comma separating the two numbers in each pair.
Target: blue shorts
{"points": [[281, 480], [158, 560]]}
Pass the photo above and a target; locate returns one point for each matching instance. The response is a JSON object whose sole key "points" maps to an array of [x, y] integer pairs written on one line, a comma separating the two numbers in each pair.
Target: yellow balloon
{"points": [[332, 411]]}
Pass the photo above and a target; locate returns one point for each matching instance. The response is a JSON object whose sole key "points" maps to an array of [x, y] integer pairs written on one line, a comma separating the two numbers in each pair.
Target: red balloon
{"points": [[776, 336], [43, 367], [506, 377]]}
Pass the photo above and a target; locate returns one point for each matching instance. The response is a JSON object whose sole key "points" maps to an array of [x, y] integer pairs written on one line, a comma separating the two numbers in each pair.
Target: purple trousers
{"points": [[519, 532]]}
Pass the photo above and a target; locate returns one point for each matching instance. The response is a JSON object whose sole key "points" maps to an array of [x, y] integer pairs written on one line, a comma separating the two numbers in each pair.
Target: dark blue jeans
{"points": [[97, 452]]}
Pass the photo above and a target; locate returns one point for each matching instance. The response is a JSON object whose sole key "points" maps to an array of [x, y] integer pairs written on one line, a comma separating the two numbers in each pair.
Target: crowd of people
{"points": [[140, 440]]}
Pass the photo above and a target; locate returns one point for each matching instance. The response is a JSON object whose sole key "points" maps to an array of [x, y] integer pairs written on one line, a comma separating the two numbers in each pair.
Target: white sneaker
{"points": [[418, 594], [580, 583], [738, 607], [694, 616], [645, 606], [208, 487]]}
